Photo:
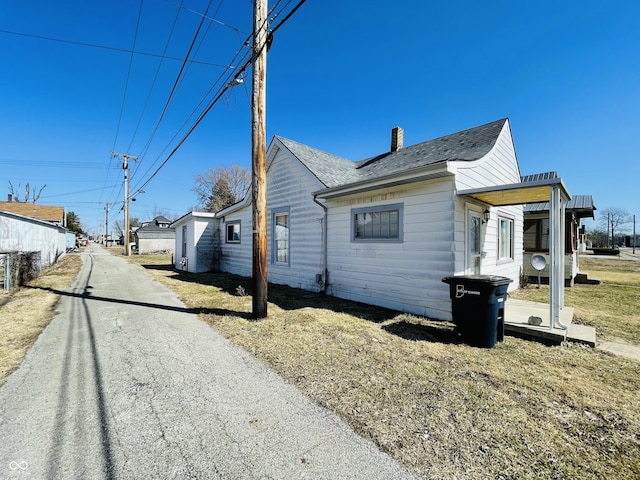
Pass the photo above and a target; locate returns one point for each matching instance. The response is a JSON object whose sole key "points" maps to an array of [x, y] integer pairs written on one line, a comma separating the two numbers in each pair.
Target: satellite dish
{"points": [[538, 262]]}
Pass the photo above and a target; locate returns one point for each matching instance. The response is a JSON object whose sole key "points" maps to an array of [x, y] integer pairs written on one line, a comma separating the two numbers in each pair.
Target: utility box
{"points": [[477, 303]]}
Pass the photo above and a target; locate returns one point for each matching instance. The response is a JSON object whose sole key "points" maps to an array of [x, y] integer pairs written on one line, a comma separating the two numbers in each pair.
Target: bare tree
{"points": [[613, 218], [15, 192], [221, 187]]}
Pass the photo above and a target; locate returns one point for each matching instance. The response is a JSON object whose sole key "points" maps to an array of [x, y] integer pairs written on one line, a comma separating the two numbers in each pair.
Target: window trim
{"points": [[276, 212], [502, 217], [399, 207], [233, 223]]}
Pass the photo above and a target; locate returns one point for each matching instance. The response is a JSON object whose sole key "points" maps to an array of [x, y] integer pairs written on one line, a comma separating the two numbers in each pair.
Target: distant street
{"points": [[126, 383]]}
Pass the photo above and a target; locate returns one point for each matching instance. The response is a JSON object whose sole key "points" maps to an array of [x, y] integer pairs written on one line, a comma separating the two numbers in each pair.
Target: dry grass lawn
{"points": [[446, 410], [613, 308], [27, 311]]}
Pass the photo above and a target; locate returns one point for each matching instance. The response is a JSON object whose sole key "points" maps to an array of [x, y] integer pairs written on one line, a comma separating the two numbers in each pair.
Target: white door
{"points": [[474, 231]]}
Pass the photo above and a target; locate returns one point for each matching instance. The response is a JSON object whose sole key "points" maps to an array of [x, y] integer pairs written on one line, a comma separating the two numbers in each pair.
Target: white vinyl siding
{"points": [[195, 235], [405, 276], [289, 184], [235, 257], [498, 167]]}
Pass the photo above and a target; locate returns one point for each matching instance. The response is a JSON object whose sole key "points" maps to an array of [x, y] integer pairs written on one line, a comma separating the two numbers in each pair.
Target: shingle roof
{"points": [[333, 171], [41, 212]]}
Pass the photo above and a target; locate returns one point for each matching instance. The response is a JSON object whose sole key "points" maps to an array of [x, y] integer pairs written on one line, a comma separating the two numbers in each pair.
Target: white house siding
{"points": [[23, 234], [177, 259], [405, 276], [201, 229], [498, 167], [289, 187], [236, 257], [205, 238]]}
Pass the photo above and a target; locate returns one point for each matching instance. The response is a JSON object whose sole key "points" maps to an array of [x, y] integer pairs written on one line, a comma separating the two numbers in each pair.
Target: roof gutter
{"points": [[429, 172]]}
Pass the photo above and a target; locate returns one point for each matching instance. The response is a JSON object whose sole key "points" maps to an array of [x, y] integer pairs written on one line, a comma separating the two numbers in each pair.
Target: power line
{"points": [[126, 84], [174, 87], [155, 78], [105, 47], [221, 91]]}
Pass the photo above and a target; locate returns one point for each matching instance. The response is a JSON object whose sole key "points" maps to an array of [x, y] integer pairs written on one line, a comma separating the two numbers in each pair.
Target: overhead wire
{"points": [[222, 89], [174, 87], [106, 47], [126, 84], [155, 78]]}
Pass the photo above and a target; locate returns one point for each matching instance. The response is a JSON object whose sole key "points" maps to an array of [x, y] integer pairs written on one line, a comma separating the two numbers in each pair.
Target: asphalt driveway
{"points": [[127, 383]]}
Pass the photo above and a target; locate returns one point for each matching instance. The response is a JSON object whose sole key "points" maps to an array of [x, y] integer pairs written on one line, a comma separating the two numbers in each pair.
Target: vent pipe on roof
{"points": [[397, 138]]}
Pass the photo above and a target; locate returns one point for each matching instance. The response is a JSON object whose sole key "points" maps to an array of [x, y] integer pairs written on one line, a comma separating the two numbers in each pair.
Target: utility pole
{"points": [[259, 156], [125, 169], [106, 225], [634, 234]]}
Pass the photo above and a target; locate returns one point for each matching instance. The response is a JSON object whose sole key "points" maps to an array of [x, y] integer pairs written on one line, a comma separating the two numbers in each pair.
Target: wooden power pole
{"points": [[125, 169], [259, 159]]}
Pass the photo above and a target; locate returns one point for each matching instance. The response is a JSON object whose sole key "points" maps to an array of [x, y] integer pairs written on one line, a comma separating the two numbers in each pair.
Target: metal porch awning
{"points": [[550, 190]]}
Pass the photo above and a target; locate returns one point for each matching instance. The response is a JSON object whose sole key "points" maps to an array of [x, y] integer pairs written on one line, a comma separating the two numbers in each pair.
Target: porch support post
{"points": [[556, 256]]}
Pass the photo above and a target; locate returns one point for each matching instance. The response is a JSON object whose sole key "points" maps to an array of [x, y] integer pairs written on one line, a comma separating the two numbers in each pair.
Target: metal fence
{"points": [[5, 272]]}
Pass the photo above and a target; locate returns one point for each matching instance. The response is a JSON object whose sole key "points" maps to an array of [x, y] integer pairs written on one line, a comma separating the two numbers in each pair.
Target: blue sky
{"points": [[340, 75]]}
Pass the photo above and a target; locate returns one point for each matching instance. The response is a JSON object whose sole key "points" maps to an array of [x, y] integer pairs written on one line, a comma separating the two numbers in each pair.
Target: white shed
{"points": [[196, 242]]}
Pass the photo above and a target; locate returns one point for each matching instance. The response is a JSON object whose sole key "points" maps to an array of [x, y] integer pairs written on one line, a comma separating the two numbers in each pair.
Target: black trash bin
{"points": [[478, 307]]}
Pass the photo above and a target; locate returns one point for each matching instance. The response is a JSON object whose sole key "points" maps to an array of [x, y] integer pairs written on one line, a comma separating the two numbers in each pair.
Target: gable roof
{"points": [[334, 171], [330, 169], [46, 213]]}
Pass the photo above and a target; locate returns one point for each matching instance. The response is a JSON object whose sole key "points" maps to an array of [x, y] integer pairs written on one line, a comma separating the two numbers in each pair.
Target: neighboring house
{"points": [[387, 229], [46, 213], [19, 233], [155, 236], [536, 234], [197, 241]]}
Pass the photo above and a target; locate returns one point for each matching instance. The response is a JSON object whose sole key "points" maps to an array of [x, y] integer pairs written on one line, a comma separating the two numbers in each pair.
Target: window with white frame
{"points": [[281, 237], [382, 223], [505, 238], [233, 232]]}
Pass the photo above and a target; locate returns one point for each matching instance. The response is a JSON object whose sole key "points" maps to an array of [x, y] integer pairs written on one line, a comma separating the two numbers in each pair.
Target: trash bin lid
{"points": [[494, 280]]}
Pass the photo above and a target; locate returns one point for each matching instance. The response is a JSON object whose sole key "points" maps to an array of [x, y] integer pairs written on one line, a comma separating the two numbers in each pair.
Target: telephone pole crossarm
{"points": [[125, 168]]}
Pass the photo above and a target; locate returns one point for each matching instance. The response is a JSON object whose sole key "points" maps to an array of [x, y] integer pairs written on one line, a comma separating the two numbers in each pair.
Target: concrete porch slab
{"points": [[516, 318]]}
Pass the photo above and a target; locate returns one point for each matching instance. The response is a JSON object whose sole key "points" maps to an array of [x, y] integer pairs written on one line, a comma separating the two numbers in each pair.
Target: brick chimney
{"points": [[397, 137]]}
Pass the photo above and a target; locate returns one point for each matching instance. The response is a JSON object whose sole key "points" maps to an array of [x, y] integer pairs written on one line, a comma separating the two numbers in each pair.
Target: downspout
{"points": [[325, 271]]}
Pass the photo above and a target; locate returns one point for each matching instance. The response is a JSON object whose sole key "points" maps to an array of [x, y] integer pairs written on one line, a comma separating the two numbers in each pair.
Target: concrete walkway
{"points": [[127, 383]]}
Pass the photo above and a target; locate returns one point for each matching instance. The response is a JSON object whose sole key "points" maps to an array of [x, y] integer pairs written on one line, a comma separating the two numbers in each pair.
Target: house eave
{"points": [[189, 215], [517, 193], [405, 177]]}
